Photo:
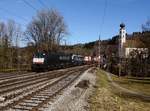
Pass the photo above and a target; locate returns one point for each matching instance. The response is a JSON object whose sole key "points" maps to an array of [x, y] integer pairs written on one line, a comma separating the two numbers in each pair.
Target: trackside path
{"points": [[127, 91]]}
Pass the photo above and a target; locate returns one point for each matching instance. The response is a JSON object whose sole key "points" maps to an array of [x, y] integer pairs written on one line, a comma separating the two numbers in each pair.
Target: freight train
{"points": [[49, 61]]}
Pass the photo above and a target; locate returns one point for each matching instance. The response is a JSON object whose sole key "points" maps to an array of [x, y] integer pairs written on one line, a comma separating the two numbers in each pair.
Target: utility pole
{"points": [[99, 46]]}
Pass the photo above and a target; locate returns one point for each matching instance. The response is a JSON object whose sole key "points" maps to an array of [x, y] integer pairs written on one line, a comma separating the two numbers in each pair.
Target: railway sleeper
{"points": [[33, 104], [31, 101], [41, 96], [39, 99], [22, 107]]}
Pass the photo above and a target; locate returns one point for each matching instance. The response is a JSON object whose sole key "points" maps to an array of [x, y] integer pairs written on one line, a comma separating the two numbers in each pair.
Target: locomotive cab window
{"points": [[39, 55]]}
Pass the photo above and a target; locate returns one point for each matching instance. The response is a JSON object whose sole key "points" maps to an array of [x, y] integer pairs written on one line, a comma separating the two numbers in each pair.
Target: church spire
{"points": [[122, 39]]}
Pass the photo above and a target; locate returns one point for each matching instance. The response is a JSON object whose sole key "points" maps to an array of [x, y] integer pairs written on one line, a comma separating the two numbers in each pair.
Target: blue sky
{"points": [[83, 17]]}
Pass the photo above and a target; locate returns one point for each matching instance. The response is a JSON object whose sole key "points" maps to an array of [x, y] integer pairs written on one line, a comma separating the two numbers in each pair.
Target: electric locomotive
{"points": [[55, 60]]}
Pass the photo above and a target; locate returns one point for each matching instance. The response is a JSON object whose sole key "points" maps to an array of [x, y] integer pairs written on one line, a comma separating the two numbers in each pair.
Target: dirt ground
{"points": [[75, 97]]}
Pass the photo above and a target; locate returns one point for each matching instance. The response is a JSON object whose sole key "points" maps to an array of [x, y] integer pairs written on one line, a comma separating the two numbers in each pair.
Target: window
{"points": [[39, 55]]}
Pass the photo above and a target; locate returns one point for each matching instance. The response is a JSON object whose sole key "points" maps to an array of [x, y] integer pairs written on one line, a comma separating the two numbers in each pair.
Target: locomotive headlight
{"points": [[38, 60]]}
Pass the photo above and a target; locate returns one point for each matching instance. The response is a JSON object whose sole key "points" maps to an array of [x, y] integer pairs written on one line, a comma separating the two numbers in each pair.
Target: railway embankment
{"points": [[75, 97]]}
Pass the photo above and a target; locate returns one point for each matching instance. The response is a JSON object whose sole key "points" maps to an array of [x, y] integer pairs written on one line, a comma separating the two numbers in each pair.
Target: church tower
{"points": [[122, 40]]}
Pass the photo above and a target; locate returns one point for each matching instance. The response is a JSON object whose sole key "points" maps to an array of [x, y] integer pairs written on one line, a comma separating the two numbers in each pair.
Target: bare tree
{"points": [[2, 33], [146, 26], [8, 34], [47, 29], [4, 44], [11, 33]]}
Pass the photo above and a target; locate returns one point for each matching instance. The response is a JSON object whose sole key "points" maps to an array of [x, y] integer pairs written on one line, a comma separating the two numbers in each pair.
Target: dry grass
{"points": [[141, 85], [103, 98], [7, 70]]}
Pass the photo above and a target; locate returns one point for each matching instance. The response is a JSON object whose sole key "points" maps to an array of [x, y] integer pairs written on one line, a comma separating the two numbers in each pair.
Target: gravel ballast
{"points": [[74, 98]]}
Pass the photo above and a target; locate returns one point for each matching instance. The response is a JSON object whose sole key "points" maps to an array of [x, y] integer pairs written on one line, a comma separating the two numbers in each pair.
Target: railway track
{"points": [[32, 92], [14, 75], [7, 76]]}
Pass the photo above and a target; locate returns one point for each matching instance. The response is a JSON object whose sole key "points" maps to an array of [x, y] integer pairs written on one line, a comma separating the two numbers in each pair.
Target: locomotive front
{"points": [[39, 61]]}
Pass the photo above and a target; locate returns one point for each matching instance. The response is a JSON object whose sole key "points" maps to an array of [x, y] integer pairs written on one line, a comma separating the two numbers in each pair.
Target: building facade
{"points": [[126, 46], [122, 40]]}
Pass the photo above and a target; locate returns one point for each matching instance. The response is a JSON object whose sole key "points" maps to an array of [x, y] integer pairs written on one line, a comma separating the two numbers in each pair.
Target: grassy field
{"points": [[14, 70], [141, 85], [104, 98], [8, 70]]}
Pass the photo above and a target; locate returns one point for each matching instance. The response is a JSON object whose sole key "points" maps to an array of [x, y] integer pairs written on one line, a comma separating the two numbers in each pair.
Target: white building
{"points": [[122, 40], [140, 50], [132, 44]]}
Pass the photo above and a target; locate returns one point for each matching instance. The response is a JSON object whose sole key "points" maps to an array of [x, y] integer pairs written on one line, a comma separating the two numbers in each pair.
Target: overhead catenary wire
{"points": [[30, 5], [12, 13], [103, 17], [43, 4], [101, 29]]}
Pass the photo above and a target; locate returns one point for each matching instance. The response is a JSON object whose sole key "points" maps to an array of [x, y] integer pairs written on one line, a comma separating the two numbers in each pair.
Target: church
{"points": [[127, 45]]}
